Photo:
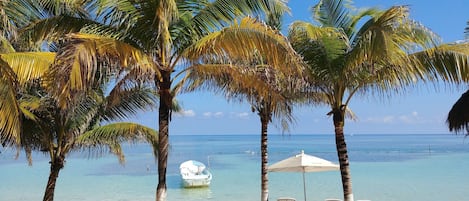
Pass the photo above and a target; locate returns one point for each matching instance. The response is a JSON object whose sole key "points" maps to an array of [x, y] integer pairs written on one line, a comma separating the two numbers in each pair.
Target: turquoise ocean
{"points": [[383, 167]]}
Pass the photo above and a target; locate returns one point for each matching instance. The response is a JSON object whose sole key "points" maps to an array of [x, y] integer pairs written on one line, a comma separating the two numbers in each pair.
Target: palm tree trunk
{"points": [[163, 134], [264, 156], [342, 154], [56, 165]]}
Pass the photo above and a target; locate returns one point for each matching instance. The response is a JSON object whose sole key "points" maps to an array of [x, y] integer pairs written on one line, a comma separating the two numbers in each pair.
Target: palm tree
{"points": [[31, 118], [17, 16], [48, 128], [274, 99], [379, 57], [150, 40]]}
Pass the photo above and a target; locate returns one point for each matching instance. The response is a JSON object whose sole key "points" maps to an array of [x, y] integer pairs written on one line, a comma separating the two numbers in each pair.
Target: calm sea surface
{"points": [[383, 167]]}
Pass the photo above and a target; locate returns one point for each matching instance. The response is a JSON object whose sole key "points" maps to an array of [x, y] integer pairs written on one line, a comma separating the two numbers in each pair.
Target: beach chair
{"points": [[286, 199]]}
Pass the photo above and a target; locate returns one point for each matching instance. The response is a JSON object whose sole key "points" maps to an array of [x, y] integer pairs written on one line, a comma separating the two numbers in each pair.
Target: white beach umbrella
{"points": [[303, 163]]}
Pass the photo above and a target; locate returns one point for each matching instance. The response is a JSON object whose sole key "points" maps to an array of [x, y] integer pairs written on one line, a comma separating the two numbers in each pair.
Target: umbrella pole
{"points": [[304, 184]]}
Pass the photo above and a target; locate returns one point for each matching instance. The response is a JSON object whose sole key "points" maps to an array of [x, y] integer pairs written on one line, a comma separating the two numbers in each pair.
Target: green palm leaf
{"points": [[122, 103], [334, 13], [29, 65], [111, 136], [75, 67], [10, 126], [448, 62], [273, 47]]}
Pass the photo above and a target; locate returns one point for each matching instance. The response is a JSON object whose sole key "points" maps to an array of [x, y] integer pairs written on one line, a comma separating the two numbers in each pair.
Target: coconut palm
{"points": [[277, 102], [148, 40], [48, 128], [56, 131], [16, 17], [346, 59], [31, 118]]}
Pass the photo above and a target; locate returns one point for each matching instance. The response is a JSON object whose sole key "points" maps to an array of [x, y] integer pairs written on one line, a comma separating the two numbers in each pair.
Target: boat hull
{"points": [[191, 183], [194, 174]]}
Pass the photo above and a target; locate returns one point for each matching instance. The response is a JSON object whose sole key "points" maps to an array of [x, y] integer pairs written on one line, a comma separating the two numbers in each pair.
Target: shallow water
{"points": [[384, 168]]}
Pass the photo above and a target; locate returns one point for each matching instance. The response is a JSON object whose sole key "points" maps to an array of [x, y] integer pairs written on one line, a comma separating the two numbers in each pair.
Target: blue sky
{"points": [[420, 111]]}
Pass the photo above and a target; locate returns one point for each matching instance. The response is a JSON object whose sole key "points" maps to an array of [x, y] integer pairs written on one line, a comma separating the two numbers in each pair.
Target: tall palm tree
{"points": [[151, 38], [17, 16], [274, 101], [31, 118], [280, 87], [345, 59]]}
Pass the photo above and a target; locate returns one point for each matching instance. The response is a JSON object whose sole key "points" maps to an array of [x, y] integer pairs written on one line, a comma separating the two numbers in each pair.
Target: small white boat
{"points": [[194, 174]]}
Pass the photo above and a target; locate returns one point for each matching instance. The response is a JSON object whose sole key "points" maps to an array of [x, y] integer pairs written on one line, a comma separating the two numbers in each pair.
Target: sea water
{"points": [[383, 168]]}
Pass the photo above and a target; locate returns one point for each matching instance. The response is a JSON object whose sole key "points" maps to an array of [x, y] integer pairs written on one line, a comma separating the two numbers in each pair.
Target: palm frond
{"points": [[65, 7], [78, 64], [111, 136], [53, 28], [381, 49], [254, 37], [5, 45], [117, 13], [448, 62], [374, 13], [29, 65], [10, 126], [122, 103], [217, 14], [334, 13], [322, 48], [236, 82], [18, 14], [274, 13]]}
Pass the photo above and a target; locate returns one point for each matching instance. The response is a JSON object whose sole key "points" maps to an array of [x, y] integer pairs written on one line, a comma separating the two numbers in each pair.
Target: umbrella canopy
{"points": [[303, 163]]}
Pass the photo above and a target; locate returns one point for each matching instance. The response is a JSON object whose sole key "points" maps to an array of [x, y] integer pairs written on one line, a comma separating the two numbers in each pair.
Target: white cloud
{"points": [[213, 114], [411, 118], [388, 119], [242, 115], [185, 113], [218, 114]]}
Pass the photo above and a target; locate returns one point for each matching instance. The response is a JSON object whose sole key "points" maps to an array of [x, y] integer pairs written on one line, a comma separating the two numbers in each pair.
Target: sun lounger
{"points": [[286, 199]]}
